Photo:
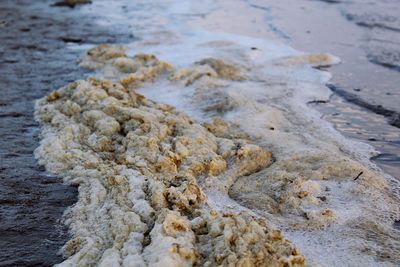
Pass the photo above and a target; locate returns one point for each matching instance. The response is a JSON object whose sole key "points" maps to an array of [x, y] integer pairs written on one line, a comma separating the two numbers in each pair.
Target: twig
{"points": [[358, 176]]}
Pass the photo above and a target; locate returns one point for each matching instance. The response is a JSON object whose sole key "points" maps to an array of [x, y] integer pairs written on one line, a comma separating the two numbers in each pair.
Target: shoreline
{"points": [[356, 79], [237, 197]]}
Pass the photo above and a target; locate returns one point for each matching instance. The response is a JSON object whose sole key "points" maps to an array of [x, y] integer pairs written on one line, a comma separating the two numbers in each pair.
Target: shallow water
{"points": [[365, 35], [358, 123]]}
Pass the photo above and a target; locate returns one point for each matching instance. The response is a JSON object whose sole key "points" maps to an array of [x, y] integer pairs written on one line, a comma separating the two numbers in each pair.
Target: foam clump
{"points": [[160, 188], [306, 186], [98, 56], [139, 165], [314, 60], [224, 69]]}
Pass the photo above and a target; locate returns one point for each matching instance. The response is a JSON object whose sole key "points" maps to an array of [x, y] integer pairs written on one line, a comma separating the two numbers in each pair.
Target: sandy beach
{"points": [[172, 133]]}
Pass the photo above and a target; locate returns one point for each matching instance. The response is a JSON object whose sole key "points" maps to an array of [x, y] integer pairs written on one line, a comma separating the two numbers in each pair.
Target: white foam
{"points": [[271, 106], [301, 83]]}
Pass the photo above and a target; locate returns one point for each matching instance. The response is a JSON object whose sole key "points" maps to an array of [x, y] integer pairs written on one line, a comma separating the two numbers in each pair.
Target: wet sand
{"points": [[35, 59], [366, 84], [347, 30]]}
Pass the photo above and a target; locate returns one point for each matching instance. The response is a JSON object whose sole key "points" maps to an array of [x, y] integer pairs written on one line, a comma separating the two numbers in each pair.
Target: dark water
{"points": [[35, 59]]}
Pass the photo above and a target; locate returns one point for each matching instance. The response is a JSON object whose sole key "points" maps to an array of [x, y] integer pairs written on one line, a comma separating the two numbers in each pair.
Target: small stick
{"points": [[358, 176]]}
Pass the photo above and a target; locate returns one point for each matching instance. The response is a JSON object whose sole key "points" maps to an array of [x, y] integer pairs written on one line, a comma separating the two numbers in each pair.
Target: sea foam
{"points": [[193, 147]]}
